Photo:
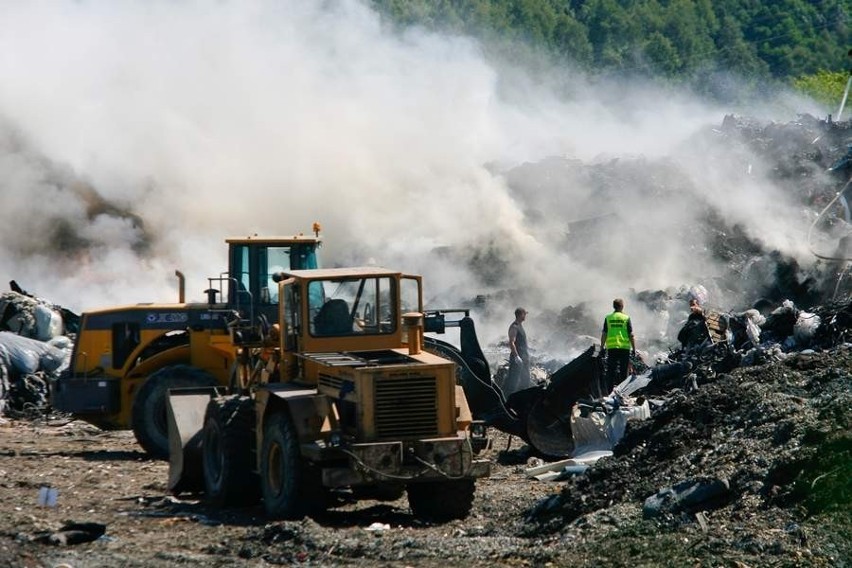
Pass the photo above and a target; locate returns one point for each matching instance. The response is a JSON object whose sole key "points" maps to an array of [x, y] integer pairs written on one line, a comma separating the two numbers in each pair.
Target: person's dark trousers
{"points": [[616, 367]]}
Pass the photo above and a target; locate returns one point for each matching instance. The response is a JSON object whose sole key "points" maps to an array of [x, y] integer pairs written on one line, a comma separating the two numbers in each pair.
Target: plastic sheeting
{"points": [[48, 323], [805, 327], [753, 320], [29, 316], [33, 350], [601, 430], [24, 356]]}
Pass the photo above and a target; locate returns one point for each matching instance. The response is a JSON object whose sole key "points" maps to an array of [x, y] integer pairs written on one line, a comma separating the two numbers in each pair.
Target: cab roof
{"points": [[291, 240], [350, 272]]}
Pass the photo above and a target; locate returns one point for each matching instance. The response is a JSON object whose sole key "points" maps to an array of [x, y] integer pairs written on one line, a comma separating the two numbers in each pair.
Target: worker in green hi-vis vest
{"points": [[617, 339]]}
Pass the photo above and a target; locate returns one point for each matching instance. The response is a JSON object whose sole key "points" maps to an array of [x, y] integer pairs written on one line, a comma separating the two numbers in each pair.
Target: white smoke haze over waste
{"points": [[195, 121]]}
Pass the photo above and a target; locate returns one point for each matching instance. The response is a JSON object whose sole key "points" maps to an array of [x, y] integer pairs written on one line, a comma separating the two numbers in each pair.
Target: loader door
{"points": [[290, 322], [270, 261], [289, 315]]}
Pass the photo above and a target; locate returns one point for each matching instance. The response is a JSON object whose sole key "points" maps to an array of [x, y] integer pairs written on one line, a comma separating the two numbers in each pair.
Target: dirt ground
{"points": [[103, 477], [777, 436]]}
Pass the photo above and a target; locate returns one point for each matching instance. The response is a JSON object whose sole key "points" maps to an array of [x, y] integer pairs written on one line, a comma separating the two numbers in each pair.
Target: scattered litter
{"points": [[378, 527], [72, 533], [690, 495], [563, 469], [702, 520], [47, 496]]}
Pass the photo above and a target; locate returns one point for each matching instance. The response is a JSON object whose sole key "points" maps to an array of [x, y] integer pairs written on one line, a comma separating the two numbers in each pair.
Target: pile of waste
{"points": [[765, 445], [35, 348], [566, 410], [747, 423]]}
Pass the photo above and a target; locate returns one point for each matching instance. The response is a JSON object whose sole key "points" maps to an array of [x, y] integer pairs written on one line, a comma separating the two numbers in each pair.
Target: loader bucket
{"points": [[482, 389], [548, 418], [484, 397], [186, 408], [549, 428], [541, 416]]}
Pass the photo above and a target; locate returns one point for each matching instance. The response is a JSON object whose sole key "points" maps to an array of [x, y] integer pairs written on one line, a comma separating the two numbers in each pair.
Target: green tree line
{"points": [[799, 42]]}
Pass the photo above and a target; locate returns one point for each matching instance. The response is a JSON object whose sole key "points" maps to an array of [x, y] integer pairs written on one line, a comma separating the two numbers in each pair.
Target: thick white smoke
{"points": [[199, 120]]}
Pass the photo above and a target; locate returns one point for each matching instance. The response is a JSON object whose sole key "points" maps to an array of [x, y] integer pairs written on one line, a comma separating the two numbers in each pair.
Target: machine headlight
{"points": [[477, 429]]}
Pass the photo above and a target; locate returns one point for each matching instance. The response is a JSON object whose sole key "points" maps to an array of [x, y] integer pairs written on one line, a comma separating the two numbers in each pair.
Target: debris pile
{"points": [[750, 427], [34, 349], [29, 316], [763, 446], [749, 434]]}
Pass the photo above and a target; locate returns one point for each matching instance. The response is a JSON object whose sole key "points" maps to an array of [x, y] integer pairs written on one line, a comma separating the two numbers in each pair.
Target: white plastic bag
{"points": [[48, 323], [753, 332], [805, 327], [26, 356]]}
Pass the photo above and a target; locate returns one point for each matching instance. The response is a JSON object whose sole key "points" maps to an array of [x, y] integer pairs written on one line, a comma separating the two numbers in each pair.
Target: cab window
{"points": [[352, 306], [125, 338], [277, 259]]}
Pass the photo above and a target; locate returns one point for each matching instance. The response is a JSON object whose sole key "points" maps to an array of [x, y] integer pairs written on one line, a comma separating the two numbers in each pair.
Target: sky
{"points": [[136, 136]]}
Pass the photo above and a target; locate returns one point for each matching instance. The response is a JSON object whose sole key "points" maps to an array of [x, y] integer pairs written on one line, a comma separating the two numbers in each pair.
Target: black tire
{"points": [[148, 416], [441, 500], [290, 488], [228, 452]]}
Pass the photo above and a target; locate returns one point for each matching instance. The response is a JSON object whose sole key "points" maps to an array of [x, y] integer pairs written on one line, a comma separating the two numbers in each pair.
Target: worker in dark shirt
{"points": [[518, 377]]}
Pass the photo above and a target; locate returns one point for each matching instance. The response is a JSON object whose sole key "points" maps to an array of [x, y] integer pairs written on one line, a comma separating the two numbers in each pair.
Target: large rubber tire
{"points": [[148, 416], [290, 488], [228, 452], [441, 500]]}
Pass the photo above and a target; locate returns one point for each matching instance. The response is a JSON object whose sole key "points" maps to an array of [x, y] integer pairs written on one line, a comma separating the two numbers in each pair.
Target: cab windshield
{"points": [[348, 306]]}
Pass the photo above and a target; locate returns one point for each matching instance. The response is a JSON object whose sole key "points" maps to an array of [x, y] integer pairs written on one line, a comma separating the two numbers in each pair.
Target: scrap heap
{"points": [[36, 338]]}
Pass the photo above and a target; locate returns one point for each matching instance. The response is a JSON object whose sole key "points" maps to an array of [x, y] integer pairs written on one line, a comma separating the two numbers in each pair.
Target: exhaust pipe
{"points": [[181, 286]]}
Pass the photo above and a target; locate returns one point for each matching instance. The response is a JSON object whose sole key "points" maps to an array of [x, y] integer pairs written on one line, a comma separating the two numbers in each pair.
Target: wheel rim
{"points": [[274, 477]]}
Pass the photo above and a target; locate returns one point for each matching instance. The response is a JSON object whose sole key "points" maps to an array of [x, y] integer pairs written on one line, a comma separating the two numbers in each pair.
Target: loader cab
{"points": [[346, 309], [252, 262]]}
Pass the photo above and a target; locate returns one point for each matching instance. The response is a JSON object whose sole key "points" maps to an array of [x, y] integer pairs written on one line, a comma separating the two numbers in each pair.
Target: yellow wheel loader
{"points": [[126, 358], [338, 395]]}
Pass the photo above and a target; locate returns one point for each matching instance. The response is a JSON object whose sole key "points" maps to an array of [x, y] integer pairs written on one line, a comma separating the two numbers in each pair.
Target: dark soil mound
{"points": [[762, 450]]}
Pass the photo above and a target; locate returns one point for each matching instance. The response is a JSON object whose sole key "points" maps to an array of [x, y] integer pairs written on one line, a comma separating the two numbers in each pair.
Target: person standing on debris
{"points": [[617, 339], [519, 357], [694, 330], [695, 309]]}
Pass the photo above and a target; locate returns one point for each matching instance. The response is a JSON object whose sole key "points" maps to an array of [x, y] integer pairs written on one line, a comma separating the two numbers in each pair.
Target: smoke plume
{"points": [[135, 136]]}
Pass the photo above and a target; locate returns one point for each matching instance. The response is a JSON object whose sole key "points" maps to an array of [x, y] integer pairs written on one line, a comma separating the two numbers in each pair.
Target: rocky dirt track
{"points": [[775, 437]]}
